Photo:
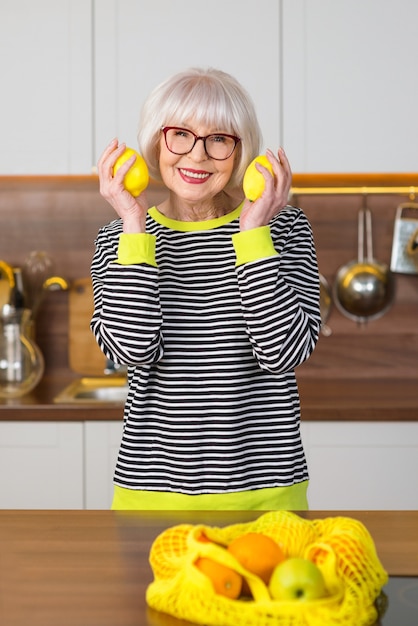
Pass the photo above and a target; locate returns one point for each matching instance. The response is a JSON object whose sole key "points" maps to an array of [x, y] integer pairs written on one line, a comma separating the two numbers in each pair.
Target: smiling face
{"points": [[195, 178]]}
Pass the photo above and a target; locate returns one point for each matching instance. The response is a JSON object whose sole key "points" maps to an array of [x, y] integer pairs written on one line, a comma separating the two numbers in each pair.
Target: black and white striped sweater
{"points": [[211, 341]]}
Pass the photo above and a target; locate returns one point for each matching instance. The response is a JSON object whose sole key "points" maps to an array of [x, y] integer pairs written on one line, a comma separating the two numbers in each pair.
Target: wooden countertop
{"points": [[39, 406], [321, 400], [90, 568]]}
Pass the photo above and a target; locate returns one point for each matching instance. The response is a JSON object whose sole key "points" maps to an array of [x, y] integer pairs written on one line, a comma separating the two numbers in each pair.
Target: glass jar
{"points": [[21, 361]]}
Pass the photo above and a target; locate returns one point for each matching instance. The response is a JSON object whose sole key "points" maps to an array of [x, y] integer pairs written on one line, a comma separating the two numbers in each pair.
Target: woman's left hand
{"points": [[275, 195]]}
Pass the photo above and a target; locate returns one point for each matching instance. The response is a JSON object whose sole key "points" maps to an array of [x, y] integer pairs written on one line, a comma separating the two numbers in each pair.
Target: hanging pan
{"points": [[364, 289]]}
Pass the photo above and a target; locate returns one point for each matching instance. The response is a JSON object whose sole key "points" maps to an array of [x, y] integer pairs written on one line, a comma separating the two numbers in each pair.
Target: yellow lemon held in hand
{"points": [[254, 183], [137, 177]]}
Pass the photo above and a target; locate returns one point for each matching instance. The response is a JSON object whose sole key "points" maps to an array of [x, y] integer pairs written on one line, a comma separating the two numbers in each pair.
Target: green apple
{"points": [[297, 579]]}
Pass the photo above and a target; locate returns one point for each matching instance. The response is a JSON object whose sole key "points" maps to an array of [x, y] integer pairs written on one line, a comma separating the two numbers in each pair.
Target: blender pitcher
{"points": [[21, 361]]}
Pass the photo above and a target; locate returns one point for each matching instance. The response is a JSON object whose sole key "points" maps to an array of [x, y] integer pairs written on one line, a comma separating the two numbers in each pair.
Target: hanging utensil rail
{"points": [[310, 191], [355, 184]]}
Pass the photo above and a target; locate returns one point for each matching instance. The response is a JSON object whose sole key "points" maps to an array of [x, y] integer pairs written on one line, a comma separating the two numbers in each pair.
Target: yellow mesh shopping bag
{"points": [[341, 547]]}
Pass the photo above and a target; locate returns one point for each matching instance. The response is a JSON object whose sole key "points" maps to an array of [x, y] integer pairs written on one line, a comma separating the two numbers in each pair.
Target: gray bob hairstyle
{"points": [[206, 96]]}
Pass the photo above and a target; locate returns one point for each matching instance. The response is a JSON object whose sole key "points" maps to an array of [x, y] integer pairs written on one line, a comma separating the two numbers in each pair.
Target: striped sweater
{"points": [[212, 324]]}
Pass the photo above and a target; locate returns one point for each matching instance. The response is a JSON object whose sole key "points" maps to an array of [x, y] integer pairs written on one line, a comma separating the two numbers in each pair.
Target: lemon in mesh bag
{"points": [[340, 547]]}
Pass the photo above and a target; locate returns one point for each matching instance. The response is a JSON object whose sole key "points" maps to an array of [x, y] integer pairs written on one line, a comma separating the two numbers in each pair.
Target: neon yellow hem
{"points": [[293, 498]]}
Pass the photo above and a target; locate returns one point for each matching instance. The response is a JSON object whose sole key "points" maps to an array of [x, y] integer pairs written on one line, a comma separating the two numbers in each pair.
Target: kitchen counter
{"points": [[38, 405], [90, 568], [321, 400]]}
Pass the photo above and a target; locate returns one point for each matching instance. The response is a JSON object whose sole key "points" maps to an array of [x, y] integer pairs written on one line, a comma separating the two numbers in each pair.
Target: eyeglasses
{"points": [[218, 146]]}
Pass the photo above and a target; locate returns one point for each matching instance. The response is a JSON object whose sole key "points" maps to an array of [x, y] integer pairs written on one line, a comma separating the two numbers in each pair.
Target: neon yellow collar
{"points": [[190, 226]]}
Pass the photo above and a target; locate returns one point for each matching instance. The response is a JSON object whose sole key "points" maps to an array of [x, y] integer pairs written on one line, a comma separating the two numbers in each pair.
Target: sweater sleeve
{"points": [[254, 244], [136, 248], [127, 316], [279, 287]]}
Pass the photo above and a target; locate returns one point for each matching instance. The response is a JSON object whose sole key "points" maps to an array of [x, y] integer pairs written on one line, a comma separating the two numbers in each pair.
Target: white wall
{"points": [[350, 85], [138, 45], [46, 86], [334, 81]]}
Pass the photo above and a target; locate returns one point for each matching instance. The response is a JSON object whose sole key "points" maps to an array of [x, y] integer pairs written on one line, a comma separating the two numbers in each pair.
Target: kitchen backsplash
{"points": [[61, 216]]}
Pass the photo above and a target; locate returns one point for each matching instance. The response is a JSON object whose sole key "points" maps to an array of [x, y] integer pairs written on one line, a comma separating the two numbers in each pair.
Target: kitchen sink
{"points": [[91, 390]]}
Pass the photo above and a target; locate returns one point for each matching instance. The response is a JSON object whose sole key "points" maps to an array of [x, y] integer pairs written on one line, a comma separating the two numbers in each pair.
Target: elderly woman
{"points": [[211, 301]]}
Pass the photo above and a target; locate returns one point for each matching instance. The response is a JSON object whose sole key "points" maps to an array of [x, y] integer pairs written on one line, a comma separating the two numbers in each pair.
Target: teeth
{"points": [[194, 174]]}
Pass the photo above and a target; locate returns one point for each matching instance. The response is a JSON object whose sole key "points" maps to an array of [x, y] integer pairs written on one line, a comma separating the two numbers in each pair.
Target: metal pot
{"points": [[364, 289]]}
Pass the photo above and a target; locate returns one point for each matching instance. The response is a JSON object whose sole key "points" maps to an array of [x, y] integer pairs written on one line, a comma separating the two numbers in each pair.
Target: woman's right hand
{"points": [[131, 210]]}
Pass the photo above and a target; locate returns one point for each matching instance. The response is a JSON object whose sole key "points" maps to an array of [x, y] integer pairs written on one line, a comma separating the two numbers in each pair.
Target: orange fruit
{"points": [[202, 537], [225, 581], [258, 553]]}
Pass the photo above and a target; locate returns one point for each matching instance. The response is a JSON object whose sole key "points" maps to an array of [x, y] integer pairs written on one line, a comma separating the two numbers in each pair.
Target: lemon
{"points": [[254, 183], [137, 177]]}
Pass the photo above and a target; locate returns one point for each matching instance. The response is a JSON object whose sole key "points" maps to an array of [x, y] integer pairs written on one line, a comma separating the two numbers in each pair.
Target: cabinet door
{"points": [[350, 85], [41, 465], [46, 118], [102, 440], [138, 45], [357, 465]]}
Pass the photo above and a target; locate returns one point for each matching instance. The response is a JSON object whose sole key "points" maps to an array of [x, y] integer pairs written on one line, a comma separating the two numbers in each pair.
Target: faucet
{"points": [[112, 368]]}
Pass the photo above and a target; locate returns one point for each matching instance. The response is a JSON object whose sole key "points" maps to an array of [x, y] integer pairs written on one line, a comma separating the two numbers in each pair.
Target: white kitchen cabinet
{"points": [[41, 465], [70, 465], [335, 83], [46, 117], [138, 45], [102, 440], [362, 465], [352, 465], [350, 85]]}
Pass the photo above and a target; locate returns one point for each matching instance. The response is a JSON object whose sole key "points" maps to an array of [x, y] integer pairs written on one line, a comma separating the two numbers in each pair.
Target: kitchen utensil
{"points": [[85, 356], [7, 283], [325, 304], [403, 258], [364, 289], [36, 269], [21, 361], [412, 246], [17, 294], [55, 283], [38, 278]]}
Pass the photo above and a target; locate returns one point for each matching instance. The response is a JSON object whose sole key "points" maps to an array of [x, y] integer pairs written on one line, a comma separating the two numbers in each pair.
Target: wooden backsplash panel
{"points": [[52, 331], [383, 348], [334, 222], [62, 215]]}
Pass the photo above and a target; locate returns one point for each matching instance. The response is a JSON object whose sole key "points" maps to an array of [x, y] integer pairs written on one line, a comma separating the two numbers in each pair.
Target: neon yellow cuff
{"points": [[136, 248], [254, 244]]}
